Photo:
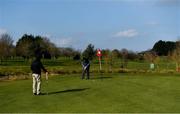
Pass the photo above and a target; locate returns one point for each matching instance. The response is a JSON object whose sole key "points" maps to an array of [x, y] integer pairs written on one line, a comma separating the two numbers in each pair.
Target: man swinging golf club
{"points": [[86, 67], [36, 67]]}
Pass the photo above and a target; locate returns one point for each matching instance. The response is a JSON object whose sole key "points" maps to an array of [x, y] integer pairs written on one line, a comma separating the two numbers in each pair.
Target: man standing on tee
{"points": [[36, 67]]}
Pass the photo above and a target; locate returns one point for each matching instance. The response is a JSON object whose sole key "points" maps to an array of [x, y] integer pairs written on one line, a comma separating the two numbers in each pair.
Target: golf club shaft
{"points": [[46, 83]]}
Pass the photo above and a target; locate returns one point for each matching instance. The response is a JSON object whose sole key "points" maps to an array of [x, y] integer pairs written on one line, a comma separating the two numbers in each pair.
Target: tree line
{"points": [[28, 46]]}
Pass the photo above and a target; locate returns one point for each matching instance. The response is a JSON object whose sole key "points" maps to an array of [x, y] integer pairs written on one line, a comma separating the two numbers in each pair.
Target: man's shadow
{"points": [[65, 91]]}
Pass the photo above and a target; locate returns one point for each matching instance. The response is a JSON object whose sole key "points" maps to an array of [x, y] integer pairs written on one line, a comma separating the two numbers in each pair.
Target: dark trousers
{"points": [[86, 71]]}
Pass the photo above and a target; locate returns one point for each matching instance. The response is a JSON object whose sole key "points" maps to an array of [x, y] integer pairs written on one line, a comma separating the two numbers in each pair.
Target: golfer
{"points": [[86, 67], [36, 67]]}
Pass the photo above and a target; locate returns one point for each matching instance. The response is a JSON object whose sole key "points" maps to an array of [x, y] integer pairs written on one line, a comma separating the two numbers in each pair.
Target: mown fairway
{"points": [[112, 93]]}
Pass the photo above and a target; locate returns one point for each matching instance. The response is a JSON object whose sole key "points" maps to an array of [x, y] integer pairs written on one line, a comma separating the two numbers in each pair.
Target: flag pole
{"points": [[100, 63]]}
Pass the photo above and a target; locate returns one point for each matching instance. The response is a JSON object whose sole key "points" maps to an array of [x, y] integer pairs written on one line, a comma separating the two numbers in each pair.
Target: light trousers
{"points": [[36, 83]]}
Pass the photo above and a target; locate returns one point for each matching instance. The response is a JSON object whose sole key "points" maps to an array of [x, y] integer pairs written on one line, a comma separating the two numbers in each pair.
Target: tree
{"points": [[77, 57], [176, 55], [132, 55], [107, 55], [162, 48], [24, 46], [124, 60], [6, 46], [69, 52], [29, 46], [49, 49], [116, 53], [89, 52], [151, 58]]}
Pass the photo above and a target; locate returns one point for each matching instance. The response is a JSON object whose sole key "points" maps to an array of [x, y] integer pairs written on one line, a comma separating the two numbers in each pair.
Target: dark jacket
{"points": [[85, 62], [36, 67]]}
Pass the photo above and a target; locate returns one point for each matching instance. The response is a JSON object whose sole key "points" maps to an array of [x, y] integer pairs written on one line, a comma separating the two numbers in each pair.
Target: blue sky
{"points": [[114, 24]]}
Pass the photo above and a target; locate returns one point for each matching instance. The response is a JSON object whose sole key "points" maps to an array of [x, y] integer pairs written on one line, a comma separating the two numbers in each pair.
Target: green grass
{"points": [[63, 65], [113, 93]]}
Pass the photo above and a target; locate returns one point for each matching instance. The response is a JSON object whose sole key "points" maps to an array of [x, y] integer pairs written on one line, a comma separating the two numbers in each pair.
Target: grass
{"points": [[68, 65], [112, 93]]}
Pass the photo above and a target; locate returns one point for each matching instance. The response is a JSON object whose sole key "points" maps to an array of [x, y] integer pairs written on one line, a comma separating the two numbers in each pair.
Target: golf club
{"points": [[46, 83], [86, 66]]}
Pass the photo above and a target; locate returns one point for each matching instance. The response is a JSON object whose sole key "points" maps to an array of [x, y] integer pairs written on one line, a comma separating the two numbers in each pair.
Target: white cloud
{"points": [[64, 42], [3, 31], [127, 33], [47, 35]]}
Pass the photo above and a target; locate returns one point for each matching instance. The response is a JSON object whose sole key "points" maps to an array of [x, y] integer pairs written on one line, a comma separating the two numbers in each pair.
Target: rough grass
{"points": [[103, 93], [69, 66]]}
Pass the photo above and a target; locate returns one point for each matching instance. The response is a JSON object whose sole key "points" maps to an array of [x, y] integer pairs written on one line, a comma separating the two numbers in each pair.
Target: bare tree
{"points": [[107, 55], [124, 60], [151, 58], [50, 47], [176, 55], [6, 45]]}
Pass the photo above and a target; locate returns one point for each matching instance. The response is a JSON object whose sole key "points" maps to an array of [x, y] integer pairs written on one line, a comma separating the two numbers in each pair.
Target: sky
{"points": [[107, 24]]}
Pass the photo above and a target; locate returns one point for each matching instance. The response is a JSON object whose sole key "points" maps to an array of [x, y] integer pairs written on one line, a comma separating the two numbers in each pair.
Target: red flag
{"points": [[99, 54]]}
